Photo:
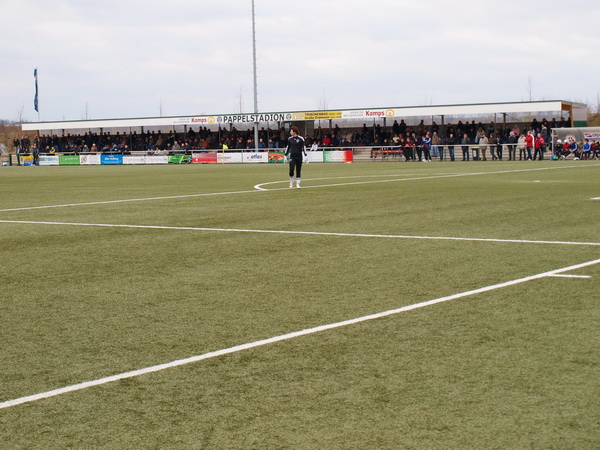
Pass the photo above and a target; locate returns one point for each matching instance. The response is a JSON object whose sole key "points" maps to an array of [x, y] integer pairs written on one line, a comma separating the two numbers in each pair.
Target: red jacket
{"points": [[529, 140], [539, 142]]}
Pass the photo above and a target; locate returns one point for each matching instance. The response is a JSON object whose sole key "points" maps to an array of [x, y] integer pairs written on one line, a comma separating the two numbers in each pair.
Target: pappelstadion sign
{"points": [[285, 117], [233, 118]]}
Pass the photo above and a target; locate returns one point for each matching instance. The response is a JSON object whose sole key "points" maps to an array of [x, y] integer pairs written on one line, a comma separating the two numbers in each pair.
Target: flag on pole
{"points": [[35, 99]]}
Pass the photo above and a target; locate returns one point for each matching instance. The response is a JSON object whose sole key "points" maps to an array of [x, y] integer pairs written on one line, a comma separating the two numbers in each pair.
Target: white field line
{"points": [[283, 337], [258, 188], [428, 177], [107, 202], [306, 233], [570, 276]]}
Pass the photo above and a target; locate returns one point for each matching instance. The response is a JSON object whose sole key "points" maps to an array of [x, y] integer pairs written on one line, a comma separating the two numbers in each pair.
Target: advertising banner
{"points": [[128, 159], [111, 159], [370, 114], [314, 156], [89, 159], [595, 136], [68, 160], [337, 156], [26, 160], [157, 159], [255, 157], [227, 157], [204, 158], [179, 159], [276, 157], [48, 160], [317, 115]]}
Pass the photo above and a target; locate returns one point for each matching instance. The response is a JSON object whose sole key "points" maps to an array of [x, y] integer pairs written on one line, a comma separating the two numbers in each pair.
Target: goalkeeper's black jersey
{"points": [[296, 147]]}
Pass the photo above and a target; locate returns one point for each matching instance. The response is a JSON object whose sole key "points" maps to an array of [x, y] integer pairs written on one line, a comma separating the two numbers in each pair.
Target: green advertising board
{"points": [[68, 160], [180, 159]]}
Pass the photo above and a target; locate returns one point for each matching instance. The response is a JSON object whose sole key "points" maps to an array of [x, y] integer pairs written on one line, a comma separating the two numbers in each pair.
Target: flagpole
{"points": [[36, 103], [255, 83]]}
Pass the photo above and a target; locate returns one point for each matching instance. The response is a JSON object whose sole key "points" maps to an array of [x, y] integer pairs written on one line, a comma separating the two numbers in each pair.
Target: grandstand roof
{"points": [[577, 110]]}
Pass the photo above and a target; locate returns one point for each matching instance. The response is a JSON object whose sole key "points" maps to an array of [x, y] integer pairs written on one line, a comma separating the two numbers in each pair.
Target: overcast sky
{"points": [[144, 58]]}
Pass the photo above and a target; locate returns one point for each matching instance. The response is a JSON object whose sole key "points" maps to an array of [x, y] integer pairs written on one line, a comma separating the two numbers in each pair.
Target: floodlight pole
{"points": [[255, 83]]}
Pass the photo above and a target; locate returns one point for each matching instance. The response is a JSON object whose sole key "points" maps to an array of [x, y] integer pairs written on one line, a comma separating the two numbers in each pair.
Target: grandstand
{"points": [[309, 121], [368, 133]]}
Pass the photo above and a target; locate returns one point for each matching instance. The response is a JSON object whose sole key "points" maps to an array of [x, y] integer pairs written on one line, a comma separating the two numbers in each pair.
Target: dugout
{"points": [[578, 134]]}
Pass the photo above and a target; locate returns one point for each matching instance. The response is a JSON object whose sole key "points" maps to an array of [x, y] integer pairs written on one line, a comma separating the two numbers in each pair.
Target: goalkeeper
{"points": [[294, 152]]}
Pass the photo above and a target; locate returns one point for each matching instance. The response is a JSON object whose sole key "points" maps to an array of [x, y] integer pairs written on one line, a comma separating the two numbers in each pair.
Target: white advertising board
{"points": [[127, 159], [48, 160], [89, 159], [157, 159], [314, 156], [229, 157], [255, 157]]}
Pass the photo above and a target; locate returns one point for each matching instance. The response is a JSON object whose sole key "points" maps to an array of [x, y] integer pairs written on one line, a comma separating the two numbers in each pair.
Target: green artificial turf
{"points": [[514, 367]]}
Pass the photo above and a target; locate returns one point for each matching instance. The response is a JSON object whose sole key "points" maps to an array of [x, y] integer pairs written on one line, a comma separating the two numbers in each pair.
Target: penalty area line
{"points": [[283, 337]]}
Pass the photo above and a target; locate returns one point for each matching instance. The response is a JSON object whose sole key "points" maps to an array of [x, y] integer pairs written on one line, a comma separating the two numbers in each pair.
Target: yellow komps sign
{"points": [[317, 115]]}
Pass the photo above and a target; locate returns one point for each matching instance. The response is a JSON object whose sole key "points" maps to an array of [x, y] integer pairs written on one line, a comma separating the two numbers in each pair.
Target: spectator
{"points": [[36, 155], [402, 127], [529, 145], [499, 141], [586, 150], [483, 142], [480, 133], [409, 149], [436, 149], [544, 132], [450, 142], [522, 145], [465, 146], [512, 141], [539, 147], [574, 148], [565, 149], [426, 143]]}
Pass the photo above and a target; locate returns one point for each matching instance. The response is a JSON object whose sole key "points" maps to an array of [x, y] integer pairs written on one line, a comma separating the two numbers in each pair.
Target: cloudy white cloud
{"points": [[134, 58]]}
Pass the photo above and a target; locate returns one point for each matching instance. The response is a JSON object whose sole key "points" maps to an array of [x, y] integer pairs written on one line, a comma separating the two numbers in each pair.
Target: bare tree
{"points": [[323, 102], [21, 115], [238, 105], [86, 112]]}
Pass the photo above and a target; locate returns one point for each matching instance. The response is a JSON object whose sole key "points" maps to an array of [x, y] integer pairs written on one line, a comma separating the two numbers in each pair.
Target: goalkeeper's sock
{"points": [[298, 183], [291, 182]]}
